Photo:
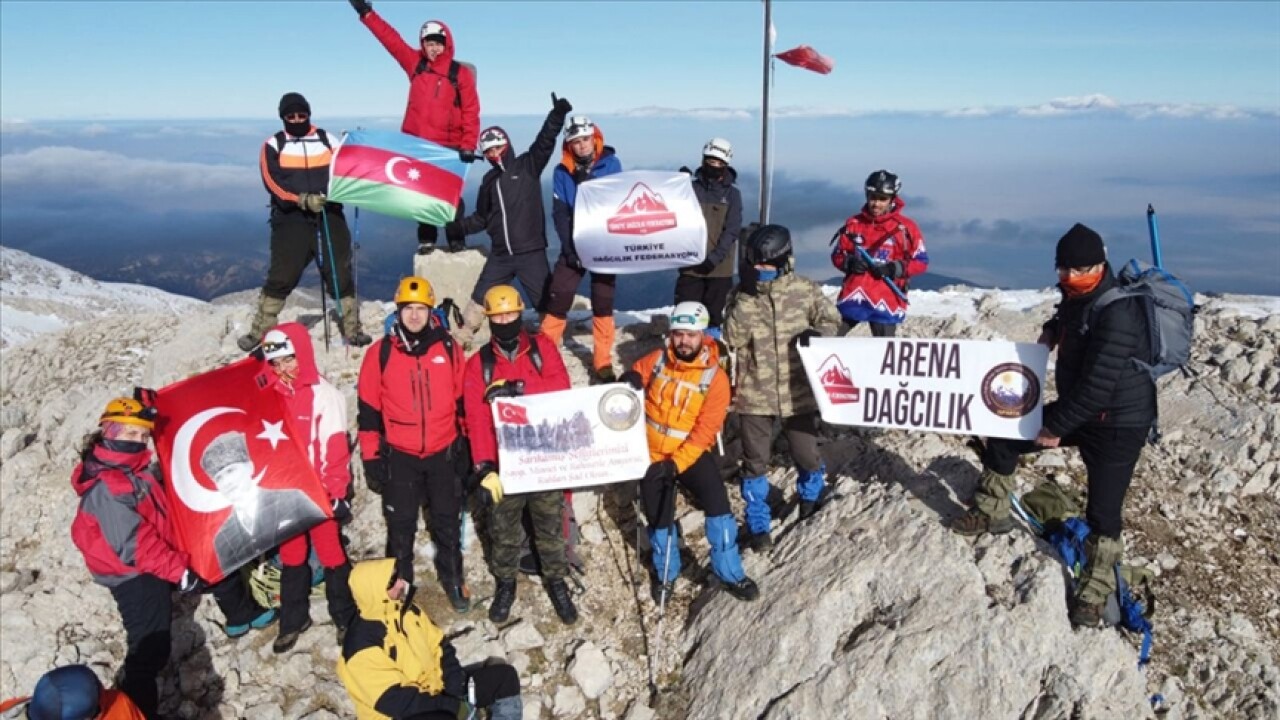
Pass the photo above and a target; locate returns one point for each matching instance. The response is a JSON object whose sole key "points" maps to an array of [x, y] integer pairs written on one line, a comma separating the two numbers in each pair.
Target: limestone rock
{"points": [[591, 671], [569, 702]]}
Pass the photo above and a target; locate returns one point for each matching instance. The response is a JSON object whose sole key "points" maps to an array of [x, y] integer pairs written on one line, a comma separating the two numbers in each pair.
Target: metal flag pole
{"points": [[764, 114]]}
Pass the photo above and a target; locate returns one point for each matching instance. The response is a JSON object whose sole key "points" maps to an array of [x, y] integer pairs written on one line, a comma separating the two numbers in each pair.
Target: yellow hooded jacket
{"points": [[394, 661]]}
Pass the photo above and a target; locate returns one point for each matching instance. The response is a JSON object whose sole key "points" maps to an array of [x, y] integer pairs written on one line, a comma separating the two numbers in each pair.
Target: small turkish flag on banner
{"points": [[807, 58], [238, 483], [513, 414]]}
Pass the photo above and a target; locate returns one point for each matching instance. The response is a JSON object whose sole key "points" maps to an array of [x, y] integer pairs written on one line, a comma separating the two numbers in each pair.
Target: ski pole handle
{"points": [[866, 257]]}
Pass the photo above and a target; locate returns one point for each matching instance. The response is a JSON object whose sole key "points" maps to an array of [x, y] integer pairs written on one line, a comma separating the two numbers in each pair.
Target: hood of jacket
{"points": [[369, 581], [730, 177], [441, 64], [85, 475], [601, 152], [308, 373]]}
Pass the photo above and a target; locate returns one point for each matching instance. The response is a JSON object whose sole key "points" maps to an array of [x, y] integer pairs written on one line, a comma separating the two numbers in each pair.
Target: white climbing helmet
{"points": [[275, 345], [690, 316], [718, 148], [433, 27], [579, 126], [491, 138]]}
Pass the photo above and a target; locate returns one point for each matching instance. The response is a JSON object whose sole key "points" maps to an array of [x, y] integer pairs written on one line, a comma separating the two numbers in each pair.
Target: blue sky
{"points": [[231, 59], [1007, 121]]}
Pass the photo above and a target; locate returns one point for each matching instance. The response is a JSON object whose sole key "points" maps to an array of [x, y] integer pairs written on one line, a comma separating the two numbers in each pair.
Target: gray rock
{"points": [[640, 711], [522, 636], [591, 671], [569, 702]]}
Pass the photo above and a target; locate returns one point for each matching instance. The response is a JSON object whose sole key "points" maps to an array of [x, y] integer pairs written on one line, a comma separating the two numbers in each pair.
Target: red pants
{"points": [[324, 538]]}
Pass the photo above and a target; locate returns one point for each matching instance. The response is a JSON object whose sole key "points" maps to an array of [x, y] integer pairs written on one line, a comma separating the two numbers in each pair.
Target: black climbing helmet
{"points": [[883, 182], [767, 244]]}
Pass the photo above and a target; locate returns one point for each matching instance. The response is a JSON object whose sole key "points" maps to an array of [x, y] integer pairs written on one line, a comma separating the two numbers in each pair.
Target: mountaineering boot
{"points": [[558, 591], [351, 330], [757, 542], [745, 589], [808, 508], [286, 640], [605, 375], [472, 319], [427, 238], [264, 619], [991, 506], [459, 598], [263, 320], [602, 332], [504, 596], [662, 591], [426, 248], [1097, 580]]}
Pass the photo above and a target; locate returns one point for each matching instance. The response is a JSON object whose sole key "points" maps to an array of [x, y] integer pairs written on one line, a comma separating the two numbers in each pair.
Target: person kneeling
{"points": [[396, 663]]}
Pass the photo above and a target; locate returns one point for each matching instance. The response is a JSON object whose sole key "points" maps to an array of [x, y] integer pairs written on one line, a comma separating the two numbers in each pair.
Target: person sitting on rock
{"points": [[1106, 406], [317, 417], [71, 692], [123, 529], [395, 662], [686, 397], [509, 207], [772, 312], [512, 364]]}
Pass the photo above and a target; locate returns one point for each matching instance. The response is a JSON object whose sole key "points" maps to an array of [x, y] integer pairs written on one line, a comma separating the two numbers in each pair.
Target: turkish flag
{"points": [[807, 58], [512, 414], [238, 483]]}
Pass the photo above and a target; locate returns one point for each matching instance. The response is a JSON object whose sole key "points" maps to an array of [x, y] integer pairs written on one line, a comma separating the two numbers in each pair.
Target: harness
{"points": [[704, 384]]}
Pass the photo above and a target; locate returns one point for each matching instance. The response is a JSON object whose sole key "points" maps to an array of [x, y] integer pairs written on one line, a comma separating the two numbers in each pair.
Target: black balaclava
{"points": [[711, 172], [507, 335], [295, 103]]}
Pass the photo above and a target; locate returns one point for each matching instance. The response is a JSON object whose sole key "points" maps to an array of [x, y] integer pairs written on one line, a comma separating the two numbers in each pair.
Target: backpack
{"points": [[454, 65], [384, 350], [488, 360], [1170, 310]]}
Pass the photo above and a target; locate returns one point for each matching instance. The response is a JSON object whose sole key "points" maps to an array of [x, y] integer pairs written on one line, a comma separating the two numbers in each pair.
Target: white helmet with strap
{"points": [[579, 126], [718, 148], [690, 316]]}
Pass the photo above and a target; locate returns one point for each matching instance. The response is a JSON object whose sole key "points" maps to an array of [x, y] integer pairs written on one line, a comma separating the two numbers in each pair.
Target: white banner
{"points": [[633, 222], [991, 388], [570, 439]]}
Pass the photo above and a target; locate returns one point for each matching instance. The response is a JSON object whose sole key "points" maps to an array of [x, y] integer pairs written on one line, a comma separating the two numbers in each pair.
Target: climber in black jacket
{"points": [[1106, 406], [509, 206]]}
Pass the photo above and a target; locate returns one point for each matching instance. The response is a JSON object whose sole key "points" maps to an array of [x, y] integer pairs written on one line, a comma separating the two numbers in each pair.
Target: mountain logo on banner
{"points": [[642, 213], [835, 379]]}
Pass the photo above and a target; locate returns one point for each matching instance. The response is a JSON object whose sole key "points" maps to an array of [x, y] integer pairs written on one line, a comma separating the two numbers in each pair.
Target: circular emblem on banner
{"points": [[619, 409], [1010, 390]]}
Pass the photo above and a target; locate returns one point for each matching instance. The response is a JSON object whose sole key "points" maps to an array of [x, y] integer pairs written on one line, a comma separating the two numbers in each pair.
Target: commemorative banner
{"points": [[570, 439], [638, 221], [238, 480], [991, 388]]}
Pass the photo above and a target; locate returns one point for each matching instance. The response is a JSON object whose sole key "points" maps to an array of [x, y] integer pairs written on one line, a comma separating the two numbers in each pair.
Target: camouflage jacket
{"points": [[770, 377]]}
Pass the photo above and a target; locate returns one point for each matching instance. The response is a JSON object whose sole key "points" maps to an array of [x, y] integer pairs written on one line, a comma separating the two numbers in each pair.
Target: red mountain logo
{"points": [[643, 212], [835, 379]]}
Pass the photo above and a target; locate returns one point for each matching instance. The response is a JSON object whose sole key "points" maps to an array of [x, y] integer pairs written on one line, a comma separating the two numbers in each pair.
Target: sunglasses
{"points": [[296, 117]]}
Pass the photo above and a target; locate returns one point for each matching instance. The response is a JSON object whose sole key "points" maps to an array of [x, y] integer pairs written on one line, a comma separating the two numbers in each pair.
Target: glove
{"points": [[632, 378], [802, 339], [703, 267], [311, 202], [892, 270], [504, 388], [362, 7], [341, 509], [561, 105], [685, 169], [375, 474], [191, 583], [663, 471], [466, 156], [491, 484], [854, 264]]}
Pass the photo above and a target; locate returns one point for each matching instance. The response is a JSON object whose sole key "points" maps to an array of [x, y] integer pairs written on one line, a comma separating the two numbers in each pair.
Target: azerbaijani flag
{"points": [[398, 175]]}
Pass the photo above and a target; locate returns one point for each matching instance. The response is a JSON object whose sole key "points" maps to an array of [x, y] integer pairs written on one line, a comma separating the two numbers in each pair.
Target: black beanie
{"points": [[1080, 247], [292, 103]]}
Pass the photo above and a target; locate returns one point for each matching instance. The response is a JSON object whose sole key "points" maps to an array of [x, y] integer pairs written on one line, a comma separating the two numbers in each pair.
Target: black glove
{"points": [[341, 509], [632, 378], [703, 267], [504, 388], [803, 337], [362, 7], [663, 471], [561, 105], [191, 583], [685, 169], [466, 156], [375, 474], [892, 270], [854, 264]]}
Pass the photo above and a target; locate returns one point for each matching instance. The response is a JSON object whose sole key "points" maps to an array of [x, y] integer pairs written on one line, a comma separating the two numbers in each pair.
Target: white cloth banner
{"points": [[991, 388], [570, 439], [634, 222]]}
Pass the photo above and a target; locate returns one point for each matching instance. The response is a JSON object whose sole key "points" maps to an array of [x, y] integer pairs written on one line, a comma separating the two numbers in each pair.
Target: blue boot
{"points": [[722, 533], [666, 562], [810, 485]]}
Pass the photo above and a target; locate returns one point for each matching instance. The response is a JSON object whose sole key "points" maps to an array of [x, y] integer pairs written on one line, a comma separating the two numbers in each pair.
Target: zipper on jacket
{"points": [[422, 406], [502, 208]]}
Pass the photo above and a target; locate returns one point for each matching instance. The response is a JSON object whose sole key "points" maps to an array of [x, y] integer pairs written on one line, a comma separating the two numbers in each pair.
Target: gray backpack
{"points": [[1170, 309]]}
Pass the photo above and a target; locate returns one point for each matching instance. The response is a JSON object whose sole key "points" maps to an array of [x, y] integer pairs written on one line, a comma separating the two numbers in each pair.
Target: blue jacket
{"points": [[564, 191]]}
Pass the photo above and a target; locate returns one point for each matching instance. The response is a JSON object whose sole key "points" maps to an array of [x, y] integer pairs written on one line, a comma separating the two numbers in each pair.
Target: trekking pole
{"points": [[1154, 232], [333, 271], [866, 257], [324, 299], [355, 264], [668, 495]]}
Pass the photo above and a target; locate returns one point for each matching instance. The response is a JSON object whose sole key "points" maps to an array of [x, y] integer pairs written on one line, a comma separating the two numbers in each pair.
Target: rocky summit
{"points": [[871, 608]]}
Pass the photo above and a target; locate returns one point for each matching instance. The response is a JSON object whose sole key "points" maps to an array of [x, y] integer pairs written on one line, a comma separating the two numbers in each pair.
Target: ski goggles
{"points": [[275, 348]]}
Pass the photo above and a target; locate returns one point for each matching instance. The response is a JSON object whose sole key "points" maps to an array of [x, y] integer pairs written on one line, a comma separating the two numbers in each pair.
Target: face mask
{"points": [[124, 446], [297, 129], [766, 273], [712, 173], [1076, 285], [505, 332]]}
